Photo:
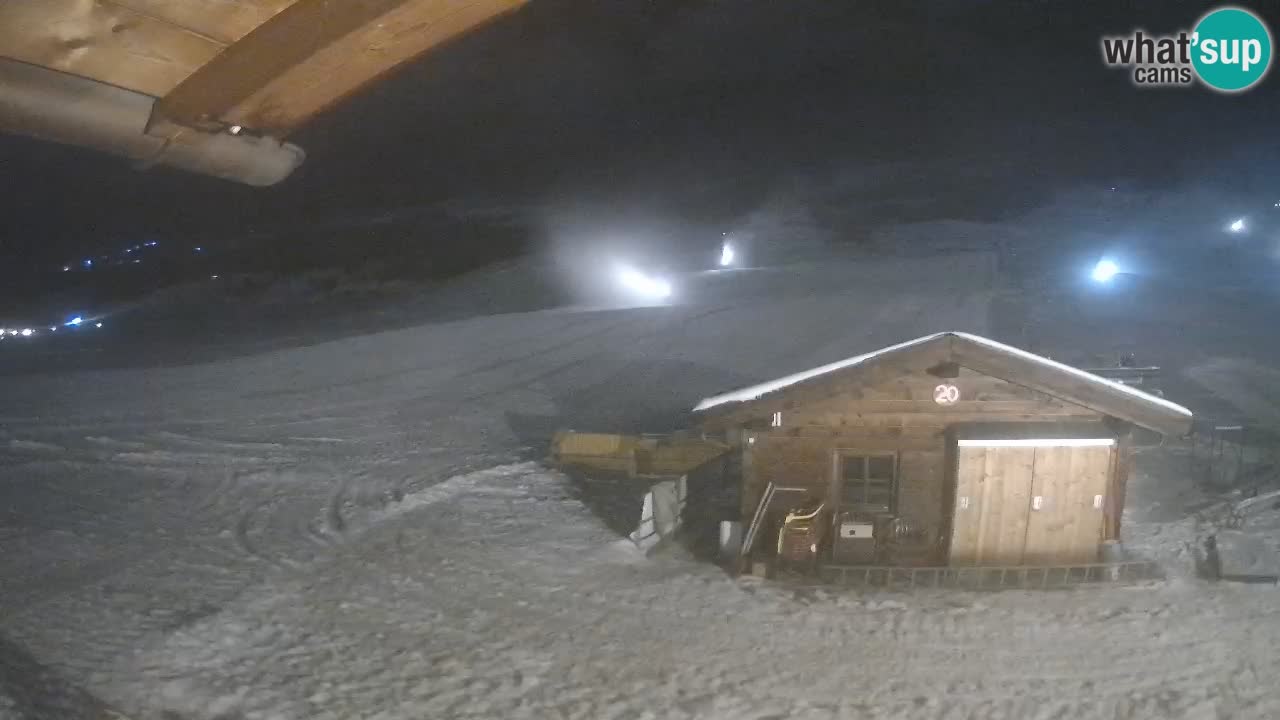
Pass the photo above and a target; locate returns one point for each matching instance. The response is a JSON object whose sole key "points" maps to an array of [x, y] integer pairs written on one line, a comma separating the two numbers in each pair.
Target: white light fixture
{"points": [[1237, 226], [1039, 442], [236, 129], [27, 332], [97, 324], [726, 255]]}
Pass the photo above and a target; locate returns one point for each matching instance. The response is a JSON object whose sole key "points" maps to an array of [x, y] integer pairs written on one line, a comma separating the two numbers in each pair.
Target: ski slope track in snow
{"points": [[356, 529]]}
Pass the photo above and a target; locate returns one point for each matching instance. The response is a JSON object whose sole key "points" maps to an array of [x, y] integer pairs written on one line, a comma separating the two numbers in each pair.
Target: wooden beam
{"points": [[314, 54], [219, 20], [112, 44]]}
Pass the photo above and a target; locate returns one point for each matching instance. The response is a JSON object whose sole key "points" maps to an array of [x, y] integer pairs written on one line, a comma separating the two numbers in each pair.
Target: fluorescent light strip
{"points": [[1040, 442]]}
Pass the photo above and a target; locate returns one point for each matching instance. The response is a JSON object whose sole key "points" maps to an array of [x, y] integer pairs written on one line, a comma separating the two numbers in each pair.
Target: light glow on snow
{"points": [[651, 288]]}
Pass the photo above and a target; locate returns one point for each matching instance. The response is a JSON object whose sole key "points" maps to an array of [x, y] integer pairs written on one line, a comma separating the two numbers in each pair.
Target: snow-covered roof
{"points": [[755, 392], [1112, 384]]}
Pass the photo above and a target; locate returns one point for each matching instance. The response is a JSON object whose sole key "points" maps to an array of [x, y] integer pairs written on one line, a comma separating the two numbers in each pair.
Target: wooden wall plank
{"points": [[970, 466], [920, 488], [986, 373], [837, 386], [811, 462], [987, 505], [882, 399], [1051, 480], [1096, 472], [1068, 528], [1050, 380], [868, 407], [1009, 496], [884, 439]]}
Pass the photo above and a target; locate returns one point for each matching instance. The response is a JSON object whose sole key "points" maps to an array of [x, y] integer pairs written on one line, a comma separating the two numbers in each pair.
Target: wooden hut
{"points": [[950, 449]]}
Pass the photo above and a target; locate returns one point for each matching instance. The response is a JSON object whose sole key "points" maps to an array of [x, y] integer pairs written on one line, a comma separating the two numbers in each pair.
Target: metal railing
{"points": [[988, 577], [1234, 455]]}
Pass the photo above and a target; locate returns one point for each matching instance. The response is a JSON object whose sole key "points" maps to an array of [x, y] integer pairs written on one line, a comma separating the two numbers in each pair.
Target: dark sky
{"points": [[645, 99]]}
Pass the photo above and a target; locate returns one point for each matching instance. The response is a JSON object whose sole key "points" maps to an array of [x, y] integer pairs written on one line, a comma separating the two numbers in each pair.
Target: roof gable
{"points": [[997, 360]]}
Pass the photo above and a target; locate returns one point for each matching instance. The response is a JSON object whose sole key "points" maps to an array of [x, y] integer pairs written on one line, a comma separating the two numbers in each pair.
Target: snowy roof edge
{"points": [[755, 392]]}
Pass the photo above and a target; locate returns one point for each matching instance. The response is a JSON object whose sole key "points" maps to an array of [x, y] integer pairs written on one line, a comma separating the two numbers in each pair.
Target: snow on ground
{"points": [[355, 530], [504, 598]]}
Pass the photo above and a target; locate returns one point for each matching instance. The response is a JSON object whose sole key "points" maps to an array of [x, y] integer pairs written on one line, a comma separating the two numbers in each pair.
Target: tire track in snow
{"points": [[504, 579]]}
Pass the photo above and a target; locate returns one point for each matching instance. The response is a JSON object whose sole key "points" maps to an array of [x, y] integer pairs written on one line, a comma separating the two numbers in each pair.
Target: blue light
{"points": [[88, 262], [74, 322], [1104, 271]]}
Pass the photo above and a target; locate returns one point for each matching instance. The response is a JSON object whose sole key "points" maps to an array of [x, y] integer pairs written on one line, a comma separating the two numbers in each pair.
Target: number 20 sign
{"points": [[946, 394]]}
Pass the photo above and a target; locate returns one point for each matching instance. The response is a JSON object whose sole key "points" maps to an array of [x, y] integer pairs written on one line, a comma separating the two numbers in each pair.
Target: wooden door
{"points": [[1071, 484], [993, 495], [1029, 502]]}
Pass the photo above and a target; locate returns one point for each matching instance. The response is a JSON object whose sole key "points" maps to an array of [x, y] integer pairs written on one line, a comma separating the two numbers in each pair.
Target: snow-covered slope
{"points": [[354, 529]]}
